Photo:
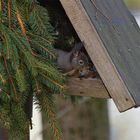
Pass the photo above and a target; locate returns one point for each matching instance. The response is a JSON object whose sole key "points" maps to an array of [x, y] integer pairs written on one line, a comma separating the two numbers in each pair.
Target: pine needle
{"points": [[21, 23], [9, 13], [2, 79], [48, 104], [54, 82], [10, 77], [0, 7], [55, 129]]}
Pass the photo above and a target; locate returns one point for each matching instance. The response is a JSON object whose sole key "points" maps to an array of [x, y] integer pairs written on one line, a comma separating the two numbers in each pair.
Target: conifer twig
{"points": [[21, 23], [9, 13], [37, 36], [54, 82], [0, 8], [14, 88], [23, 28], [52, 118], [44, 48], [2, 79]]}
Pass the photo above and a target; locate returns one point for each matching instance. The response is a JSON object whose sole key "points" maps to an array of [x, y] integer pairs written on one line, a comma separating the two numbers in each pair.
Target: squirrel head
{"points": [[79, 60]]}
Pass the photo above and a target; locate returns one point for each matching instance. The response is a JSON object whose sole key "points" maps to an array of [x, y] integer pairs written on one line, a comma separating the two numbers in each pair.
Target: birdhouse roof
{"points": [[112, 39]]}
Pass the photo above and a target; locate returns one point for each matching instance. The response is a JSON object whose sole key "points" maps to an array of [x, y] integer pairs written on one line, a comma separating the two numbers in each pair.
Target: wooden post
{"points": [[3, 134]]}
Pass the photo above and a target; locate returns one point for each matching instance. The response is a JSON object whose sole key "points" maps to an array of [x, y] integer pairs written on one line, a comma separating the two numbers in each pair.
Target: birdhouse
{"points": [[111, 37]]}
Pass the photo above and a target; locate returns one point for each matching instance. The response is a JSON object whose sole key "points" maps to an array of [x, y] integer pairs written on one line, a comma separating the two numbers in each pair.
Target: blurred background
{"points": [[92, 119], [133, 4]]}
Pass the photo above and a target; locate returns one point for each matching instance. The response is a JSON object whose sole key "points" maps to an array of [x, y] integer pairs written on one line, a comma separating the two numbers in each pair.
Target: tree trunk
{"points": [[85, 121], [3, 134]]}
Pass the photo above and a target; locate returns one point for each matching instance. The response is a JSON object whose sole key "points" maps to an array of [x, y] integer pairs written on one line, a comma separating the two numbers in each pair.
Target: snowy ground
{"points": [[35, 133], [137, 16], [124, 126]]}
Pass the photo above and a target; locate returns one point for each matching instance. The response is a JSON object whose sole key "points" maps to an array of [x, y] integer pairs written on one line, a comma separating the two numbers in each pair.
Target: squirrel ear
{"points": [[78, 47], [76, 53]]}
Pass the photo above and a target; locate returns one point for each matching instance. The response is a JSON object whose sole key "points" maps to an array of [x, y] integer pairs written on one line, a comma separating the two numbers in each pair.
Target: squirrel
{"points": [[73, 63]]}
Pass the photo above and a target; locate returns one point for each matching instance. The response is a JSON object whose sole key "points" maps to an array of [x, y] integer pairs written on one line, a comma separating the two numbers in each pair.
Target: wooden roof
{"points": [[112, 39]]}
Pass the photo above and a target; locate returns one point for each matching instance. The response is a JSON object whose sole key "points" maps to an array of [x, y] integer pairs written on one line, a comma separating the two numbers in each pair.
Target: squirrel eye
{"points": [[81, 62]]}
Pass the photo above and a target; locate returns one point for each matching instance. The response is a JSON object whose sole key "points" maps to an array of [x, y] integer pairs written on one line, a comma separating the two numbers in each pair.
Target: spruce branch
{"points": [[27, 65], [48, 107]]}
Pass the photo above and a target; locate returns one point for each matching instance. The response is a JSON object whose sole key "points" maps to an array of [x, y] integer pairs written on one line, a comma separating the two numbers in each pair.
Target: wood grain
{"points": [[91, 87], [99, 54], [120, 35]]}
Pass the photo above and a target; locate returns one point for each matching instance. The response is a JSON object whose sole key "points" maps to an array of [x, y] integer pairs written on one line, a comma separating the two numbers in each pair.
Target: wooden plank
{"points": [[3, 134], [98, 53], [92, 87], [120, 35]]}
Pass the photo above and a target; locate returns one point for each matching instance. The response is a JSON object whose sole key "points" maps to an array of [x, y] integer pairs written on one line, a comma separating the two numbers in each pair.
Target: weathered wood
{"points": [[111, 49], [3, 134], [88, 120], [92, 87]]}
